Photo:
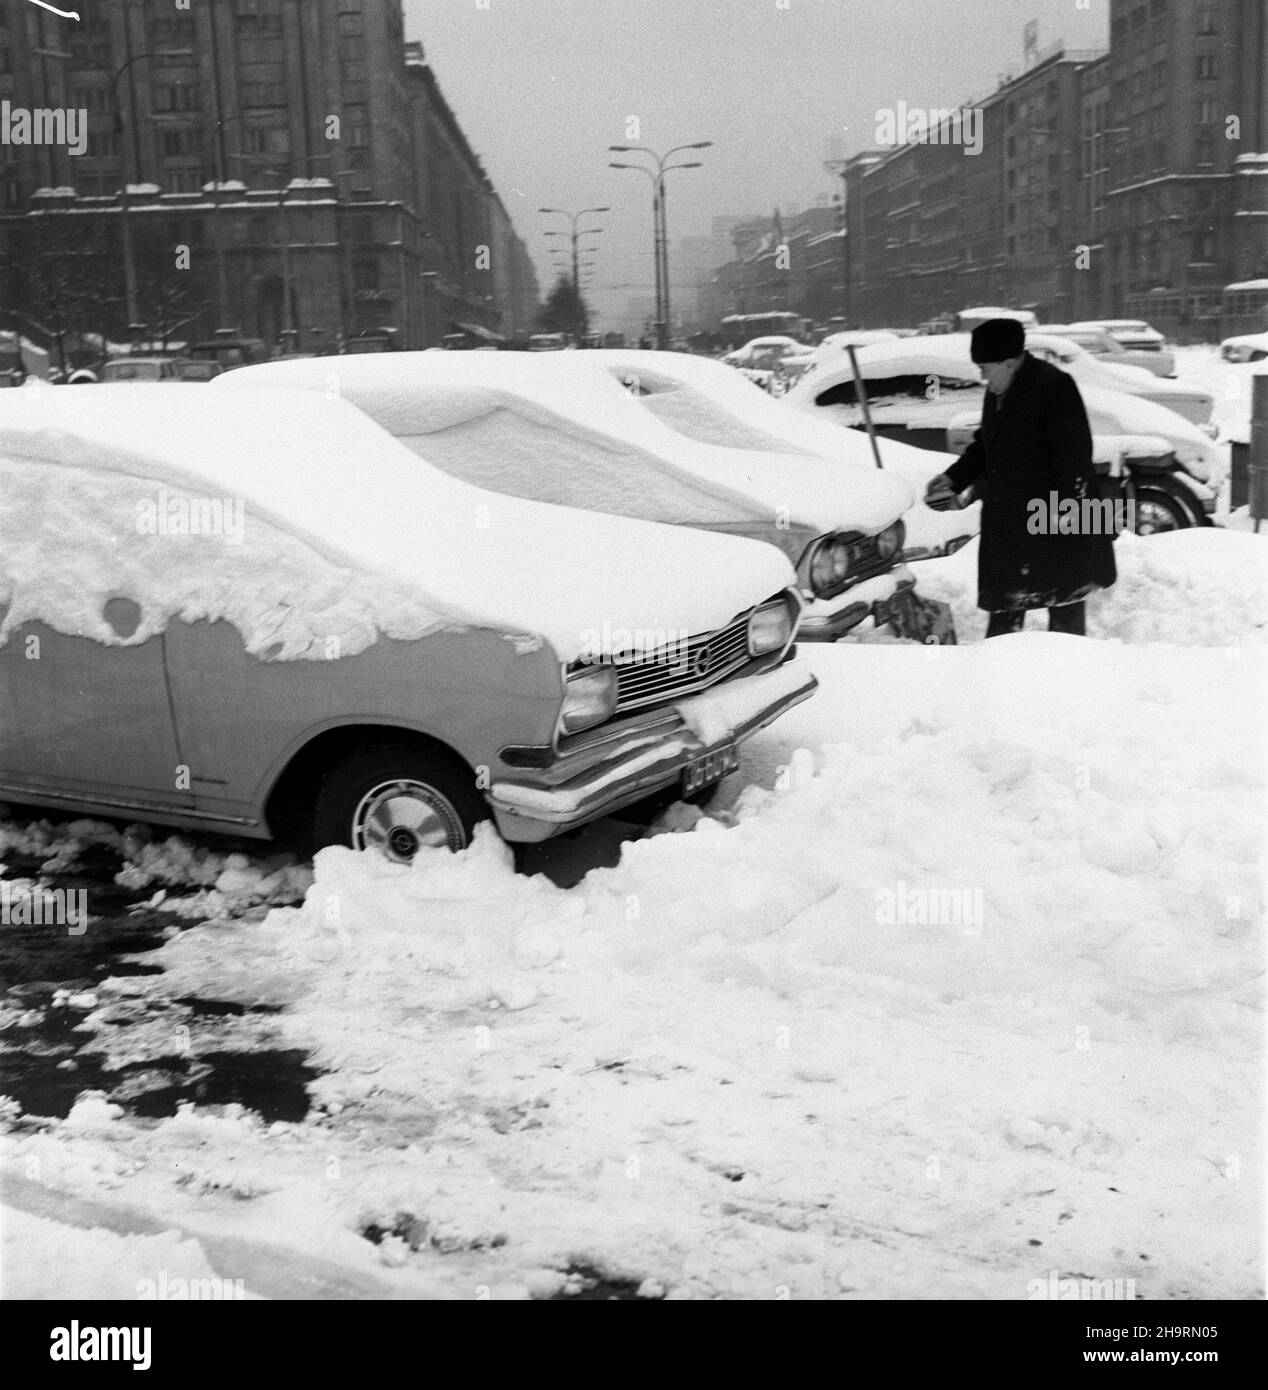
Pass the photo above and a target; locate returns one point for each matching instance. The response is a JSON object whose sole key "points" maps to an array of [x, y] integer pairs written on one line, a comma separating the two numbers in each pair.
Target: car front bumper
{"points": [[603, 776]]}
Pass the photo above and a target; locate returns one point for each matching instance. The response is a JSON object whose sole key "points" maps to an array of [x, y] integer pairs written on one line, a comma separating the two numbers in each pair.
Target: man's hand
{"points": [[941, 495]]}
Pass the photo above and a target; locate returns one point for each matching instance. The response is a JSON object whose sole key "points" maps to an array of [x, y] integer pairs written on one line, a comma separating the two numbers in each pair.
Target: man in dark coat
{"points": [[1044, 541]]}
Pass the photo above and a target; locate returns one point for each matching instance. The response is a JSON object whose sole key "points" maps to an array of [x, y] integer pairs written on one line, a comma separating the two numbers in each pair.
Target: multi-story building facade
{"points": [[1183, 212], [1129, 183], [288, 170]]}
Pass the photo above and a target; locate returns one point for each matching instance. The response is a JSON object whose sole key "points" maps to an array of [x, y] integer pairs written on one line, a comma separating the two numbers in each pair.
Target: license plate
{"points": [[711, 767]]}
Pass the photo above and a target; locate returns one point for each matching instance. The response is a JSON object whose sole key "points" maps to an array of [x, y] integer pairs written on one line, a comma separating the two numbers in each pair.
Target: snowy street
{"points": [[958, 985]]}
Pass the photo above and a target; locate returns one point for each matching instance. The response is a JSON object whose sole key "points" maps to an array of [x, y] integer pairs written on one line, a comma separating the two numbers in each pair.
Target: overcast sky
{"points": [[543, 87]]}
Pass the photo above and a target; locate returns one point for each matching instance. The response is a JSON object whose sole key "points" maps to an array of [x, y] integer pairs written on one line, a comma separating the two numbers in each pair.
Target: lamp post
{"points": [[125, 219], [660, 241], [575, 233]]}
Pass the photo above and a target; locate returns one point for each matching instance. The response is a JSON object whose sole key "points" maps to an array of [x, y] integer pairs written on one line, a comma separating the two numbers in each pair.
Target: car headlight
{"points": [[769, 628], [890, 541], [590, 697], [830, 564]]}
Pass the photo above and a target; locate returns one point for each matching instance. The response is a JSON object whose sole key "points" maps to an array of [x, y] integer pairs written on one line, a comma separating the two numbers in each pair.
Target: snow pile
{"points": [[966, 991], [1201, 587], [226, 882]]}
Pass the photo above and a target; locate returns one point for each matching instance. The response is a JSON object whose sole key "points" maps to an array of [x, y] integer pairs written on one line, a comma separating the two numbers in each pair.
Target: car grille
{"points": [[682, 668]]}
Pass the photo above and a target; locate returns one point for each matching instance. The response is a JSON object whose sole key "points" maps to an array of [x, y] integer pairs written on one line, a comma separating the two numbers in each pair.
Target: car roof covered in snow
{"points": [[324, 472], [545, 425], [758, 413]]}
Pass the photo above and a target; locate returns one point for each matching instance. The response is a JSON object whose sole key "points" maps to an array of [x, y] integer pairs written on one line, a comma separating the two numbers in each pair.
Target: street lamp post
{"points": [[660, 240], [125, 218], [574, 234]]}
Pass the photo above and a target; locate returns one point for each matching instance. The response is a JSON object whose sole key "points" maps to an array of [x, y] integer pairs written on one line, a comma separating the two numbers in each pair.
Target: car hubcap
{"points": [[401, 817], [1152, 517]]}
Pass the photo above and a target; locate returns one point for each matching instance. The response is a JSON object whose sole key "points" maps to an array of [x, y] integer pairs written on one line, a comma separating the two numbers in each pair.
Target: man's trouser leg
{"points": [[1070, 617], [1006, 620]]}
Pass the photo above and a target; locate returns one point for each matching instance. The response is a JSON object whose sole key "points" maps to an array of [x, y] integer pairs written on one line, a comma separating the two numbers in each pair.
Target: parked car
{"points": [[1138, 338], [246, 617], [1246, 347], [550, 342], [140, 369], [705, 401], [227, 351], [564, 431], [773, 353], [1107, 372], [928, 392], [189, 370], [1159, 361]]}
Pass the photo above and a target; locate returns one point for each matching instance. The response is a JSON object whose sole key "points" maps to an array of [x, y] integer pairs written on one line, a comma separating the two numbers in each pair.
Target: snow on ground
{"points": [[960, 987], [1202, 587]]}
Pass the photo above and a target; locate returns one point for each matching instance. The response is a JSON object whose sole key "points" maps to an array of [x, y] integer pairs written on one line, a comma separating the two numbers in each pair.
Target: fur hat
{"points": [[997, 340]]}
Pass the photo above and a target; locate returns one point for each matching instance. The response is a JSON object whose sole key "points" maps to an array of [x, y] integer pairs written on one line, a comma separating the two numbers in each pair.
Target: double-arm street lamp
{"points": [[574, 234], [660, 228]]}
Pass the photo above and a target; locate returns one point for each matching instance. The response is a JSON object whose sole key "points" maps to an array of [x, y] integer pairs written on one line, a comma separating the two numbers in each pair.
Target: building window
{"points": [[274, 139], [179, 144], [1205, 66], [181, 97], [365, 275], [1206, 19]]}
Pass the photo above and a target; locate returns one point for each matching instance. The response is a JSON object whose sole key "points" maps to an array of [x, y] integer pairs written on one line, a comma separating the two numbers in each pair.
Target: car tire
{"points": [[397, 798], [1157, 511]]}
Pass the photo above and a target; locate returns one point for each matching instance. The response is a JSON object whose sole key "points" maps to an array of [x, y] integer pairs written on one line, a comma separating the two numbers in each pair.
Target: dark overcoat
{"points": [[1032, 453]]}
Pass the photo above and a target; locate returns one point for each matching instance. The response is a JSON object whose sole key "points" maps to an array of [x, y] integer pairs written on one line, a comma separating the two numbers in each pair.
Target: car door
{"points": [[84, 715], [88, 721]]}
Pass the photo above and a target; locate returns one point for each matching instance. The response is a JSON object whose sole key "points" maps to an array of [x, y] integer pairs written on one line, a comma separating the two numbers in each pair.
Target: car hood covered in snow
{"points": [[323, 472], [560, 429]]}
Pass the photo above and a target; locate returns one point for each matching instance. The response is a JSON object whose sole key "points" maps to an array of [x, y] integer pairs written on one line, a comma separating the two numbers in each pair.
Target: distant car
{"points": [[563, 430], [189, 370], [1136, 336], [928, 392], [229, 351], [968, 319], [140, 369], [770, 354], [248, 618], [550, 342], [1114, 374], [1103, 344], [1247, 347]]}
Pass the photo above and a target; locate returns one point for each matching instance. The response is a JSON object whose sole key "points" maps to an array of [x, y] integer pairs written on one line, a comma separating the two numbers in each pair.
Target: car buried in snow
{"points": [[563, 430], [928, 392], [211, 619]]}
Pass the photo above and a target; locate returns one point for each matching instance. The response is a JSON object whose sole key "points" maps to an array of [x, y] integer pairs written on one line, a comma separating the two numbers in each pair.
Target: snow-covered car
{"points": [[563, 430], [968, 319], [228, 614], [140, 369], [1148, 347], [771, 353], [1112, 375], [1246, 347], [1106, 348], [706, 402], [928, 392]]}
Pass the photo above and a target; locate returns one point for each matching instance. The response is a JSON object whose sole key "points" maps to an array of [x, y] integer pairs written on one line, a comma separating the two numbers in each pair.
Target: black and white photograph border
{"points": [[533, 761]]}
